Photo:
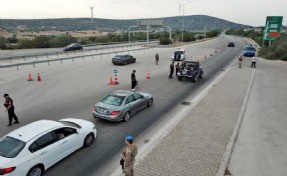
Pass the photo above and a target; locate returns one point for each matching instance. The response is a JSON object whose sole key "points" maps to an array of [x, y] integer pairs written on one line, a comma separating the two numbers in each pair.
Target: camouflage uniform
{"points": [[129, 154]]}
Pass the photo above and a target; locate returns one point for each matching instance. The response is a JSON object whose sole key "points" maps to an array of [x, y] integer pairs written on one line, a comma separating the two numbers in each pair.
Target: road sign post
{"points": [[273, 28]]}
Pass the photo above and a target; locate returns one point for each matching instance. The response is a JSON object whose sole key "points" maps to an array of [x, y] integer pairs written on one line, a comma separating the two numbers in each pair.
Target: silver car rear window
{"points": [[113, 100]]}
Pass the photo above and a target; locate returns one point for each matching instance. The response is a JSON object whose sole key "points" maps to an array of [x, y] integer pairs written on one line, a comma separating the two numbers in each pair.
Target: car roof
{"points": [[180, 49], [29, 131], [190, 62], [120, 55], [122, 93]]}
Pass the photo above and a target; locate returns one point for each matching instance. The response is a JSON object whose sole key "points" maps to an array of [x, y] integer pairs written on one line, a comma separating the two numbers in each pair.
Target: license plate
{"points": [[103, 111]]}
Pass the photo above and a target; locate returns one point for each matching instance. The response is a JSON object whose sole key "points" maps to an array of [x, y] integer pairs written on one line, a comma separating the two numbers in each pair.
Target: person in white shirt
{"points": [[253, 63]]}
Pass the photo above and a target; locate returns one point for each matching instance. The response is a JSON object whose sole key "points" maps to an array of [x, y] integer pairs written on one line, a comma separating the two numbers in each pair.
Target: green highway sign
{"points": [[273, 27]]}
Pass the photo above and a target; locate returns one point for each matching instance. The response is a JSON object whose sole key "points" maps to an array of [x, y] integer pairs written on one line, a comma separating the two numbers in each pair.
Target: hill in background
{"points": [[192, 23]]}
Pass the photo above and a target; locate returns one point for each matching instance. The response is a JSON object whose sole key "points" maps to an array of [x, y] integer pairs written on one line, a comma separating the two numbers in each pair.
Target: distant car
{"points": [[231, 44], [121, 105], [178, 55], [123, 59], [33, 148], [73, 47], [249, 51]]}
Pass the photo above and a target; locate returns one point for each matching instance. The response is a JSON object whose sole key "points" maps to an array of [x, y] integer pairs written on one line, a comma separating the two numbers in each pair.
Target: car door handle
{"points": [[64, 142], [43, 153]]}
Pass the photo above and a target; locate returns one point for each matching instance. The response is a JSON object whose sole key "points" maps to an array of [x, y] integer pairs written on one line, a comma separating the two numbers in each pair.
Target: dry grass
{"points": [[77, 34]]}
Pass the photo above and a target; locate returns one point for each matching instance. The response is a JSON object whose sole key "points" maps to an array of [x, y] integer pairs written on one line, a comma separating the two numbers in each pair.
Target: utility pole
{"points": [[182, 28]]}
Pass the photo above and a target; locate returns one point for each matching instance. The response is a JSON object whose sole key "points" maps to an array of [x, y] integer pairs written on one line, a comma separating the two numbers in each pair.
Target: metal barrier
{"points": [[47, 54], [68, 58]]}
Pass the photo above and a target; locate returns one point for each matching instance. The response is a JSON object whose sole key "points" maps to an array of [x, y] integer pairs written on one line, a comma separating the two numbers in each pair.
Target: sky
{"points": [[252, 12]]}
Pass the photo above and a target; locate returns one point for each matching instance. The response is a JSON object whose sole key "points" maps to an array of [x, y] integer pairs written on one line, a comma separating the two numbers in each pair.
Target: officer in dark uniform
{"points": [[134, 80], [171, 67], [10, 108], [176, 68]]}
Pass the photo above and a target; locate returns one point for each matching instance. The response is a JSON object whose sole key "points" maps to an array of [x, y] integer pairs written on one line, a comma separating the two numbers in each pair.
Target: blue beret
{"points": [[129, 138]]}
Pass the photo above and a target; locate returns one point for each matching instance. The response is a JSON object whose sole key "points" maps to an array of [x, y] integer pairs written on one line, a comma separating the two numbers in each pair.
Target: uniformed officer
{"points": [[128, 156], [240, 61], [134, 80], [156, 58], [171, 67], [10, 108], [176, 68]]}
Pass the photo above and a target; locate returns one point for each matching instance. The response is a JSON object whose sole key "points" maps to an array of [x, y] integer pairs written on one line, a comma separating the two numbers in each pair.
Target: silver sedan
{"points": [[121, 105]]}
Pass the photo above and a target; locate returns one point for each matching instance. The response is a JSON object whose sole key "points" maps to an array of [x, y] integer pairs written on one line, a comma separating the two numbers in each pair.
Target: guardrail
{"points": [[69, 58], [47, 54], [112, 43]]}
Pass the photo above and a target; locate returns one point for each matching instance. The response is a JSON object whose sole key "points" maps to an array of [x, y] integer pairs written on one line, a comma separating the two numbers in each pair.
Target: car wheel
{"points": [[179, 78], [150, 102], [135, 61], [35, 171], [127, 116], [199, 76], [89, 139]]}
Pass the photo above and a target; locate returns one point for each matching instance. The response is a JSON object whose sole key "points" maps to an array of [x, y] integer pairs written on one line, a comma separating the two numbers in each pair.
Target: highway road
{"points": [[72, 88]]}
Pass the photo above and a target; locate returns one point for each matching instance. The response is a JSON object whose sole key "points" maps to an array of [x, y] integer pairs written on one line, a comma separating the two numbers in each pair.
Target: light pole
{"points": [[170, 30], [183, 19], [130, 32]]}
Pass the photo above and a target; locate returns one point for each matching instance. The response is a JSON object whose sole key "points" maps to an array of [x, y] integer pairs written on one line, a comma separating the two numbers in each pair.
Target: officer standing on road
{"points": [[156, 58], [176, 68], [10, 108], [253, 64], [240, 59], [134, 80], [171, 67], [128, 156]]}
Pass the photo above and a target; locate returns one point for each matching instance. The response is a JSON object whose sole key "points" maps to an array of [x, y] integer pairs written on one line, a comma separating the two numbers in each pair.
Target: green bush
{"points": [[165, 41], [61, 41], [277, 51], [26, 44], [3, 42]]}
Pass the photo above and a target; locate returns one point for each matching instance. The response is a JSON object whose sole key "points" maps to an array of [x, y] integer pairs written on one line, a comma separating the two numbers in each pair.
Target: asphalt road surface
{"points": [[71, 89]]}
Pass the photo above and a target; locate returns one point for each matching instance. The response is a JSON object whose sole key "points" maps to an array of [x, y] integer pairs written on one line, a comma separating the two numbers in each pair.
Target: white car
{"points": [[33, 148], [178, 55]]}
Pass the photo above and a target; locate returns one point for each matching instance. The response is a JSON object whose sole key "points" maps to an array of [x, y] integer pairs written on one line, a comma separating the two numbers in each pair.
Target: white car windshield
{"points": [[178, 52], [10, 147]]}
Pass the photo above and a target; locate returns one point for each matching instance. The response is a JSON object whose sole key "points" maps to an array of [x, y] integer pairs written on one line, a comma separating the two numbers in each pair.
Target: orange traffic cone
{"points": [[39, 77], [148, 75], [111, 81], [116, 80], [30, 77]]}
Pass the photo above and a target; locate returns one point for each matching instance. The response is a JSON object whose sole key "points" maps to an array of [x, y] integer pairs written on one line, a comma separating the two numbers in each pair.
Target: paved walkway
{"points": [[260, 149], [196, 146]]}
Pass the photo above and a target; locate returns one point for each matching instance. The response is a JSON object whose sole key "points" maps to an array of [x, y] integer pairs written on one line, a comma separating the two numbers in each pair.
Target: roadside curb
{"points": [[226, 157]]}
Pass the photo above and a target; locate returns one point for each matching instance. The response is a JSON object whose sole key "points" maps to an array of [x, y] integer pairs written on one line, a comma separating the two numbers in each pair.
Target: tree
{"points": [[41, 42], [3, 42], [61, 41], [25, 43], [164, 41], [12, 39]]}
